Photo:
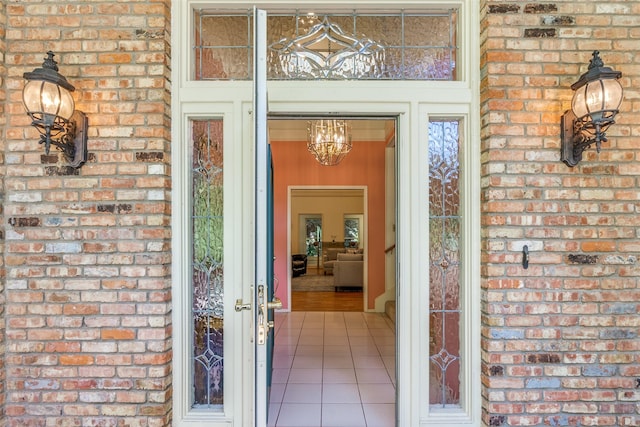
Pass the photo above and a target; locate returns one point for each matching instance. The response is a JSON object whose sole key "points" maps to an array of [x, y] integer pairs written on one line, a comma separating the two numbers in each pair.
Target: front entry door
{"points": [[264, 302], [220, 375]]}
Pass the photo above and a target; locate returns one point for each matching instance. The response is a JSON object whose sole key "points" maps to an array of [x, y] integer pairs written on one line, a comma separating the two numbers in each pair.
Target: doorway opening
{"points": [[314, 284], [335, 349]]}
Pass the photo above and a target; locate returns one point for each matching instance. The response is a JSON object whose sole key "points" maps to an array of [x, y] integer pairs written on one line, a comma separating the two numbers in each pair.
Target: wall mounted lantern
{"points": [[48, 101], [594, 106]]}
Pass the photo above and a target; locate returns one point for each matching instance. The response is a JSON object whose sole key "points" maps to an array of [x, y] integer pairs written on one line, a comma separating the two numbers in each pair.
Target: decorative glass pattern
{"points": [[444, 264], [325, 51], [223, 48], [208, 277], [305, 46]]}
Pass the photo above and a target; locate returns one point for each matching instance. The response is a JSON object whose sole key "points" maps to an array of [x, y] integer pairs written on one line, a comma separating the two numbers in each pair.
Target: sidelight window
{"points": [[207, 267], [444, 265]]}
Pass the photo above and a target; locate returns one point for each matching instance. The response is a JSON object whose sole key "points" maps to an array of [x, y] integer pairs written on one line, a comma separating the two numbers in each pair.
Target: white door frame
{"points": [[411, 324], [413, 103], [262, 292]]}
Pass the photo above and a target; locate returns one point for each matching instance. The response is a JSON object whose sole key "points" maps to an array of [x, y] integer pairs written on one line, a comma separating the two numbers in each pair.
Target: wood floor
{"points": [[326, 301]]}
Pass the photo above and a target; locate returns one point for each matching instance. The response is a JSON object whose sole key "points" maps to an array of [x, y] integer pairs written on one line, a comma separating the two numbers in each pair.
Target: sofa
{"points": [[348, 271], [329, 257]]}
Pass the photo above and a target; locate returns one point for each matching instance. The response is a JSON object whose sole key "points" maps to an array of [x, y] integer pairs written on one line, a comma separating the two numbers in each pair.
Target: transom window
{"points": [[310, 46]]}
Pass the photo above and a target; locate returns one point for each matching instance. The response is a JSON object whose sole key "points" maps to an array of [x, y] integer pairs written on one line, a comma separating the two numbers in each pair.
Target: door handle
{"points": [[264, 325], [276, 304]]}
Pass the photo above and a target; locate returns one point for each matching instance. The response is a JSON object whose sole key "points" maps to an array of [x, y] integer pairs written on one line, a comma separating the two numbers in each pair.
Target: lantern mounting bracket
{"points": [[573, 140], [73, 140]]}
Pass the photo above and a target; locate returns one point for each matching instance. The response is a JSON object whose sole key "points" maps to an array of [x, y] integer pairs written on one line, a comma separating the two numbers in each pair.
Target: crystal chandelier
{"points": [[329, 140]]}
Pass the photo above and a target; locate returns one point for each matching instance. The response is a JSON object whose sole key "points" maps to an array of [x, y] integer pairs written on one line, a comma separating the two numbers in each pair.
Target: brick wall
{"points": [[87, 254], [88, 250], [3, 73], [560, 339]]}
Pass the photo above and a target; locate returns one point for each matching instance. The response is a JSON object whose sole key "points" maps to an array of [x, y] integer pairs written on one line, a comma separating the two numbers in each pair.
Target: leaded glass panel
{"points": [[208, 273], [444, 264], [308, 46], [222, 47]]}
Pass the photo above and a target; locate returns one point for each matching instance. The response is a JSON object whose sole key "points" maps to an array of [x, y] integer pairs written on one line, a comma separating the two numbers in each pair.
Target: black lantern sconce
{"points": [[594, 106], [48, 101]]}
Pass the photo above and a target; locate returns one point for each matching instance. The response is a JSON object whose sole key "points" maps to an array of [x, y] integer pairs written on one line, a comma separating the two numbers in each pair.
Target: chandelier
{"points": [[329, 140]]}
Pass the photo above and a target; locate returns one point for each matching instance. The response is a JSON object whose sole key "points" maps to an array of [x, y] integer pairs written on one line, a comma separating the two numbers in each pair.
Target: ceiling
{"points": [[372, 130]]}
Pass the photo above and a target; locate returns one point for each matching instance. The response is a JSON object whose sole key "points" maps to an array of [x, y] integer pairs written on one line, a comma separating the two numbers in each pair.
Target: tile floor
{"points": [[333, 369]]}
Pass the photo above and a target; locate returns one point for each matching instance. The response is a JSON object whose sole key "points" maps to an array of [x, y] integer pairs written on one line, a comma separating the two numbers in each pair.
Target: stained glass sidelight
{"points": [[207, 268], [331, 46], [444, 264]]}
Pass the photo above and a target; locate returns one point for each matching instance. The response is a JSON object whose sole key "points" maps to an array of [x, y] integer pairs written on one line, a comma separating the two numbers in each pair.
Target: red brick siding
{"points": [[560, 339], [88, 250], [88, 255], [3, 122]]}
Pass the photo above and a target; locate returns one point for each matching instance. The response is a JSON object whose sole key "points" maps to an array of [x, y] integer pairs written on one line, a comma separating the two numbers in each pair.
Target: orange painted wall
{"points": [[363, 166]]}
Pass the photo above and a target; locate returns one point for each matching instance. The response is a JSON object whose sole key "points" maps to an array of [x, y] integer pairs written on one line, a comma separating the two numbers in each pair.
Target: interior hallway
{"points": [[333, 369]]}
